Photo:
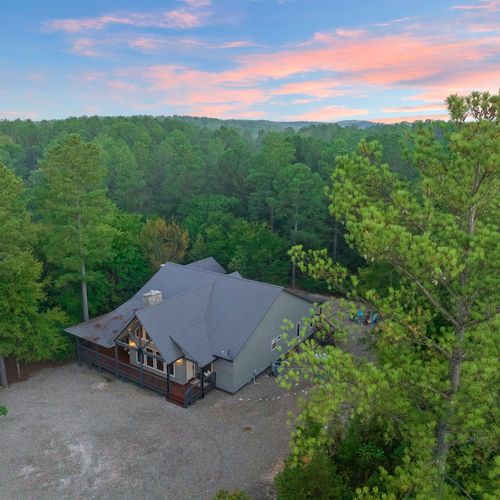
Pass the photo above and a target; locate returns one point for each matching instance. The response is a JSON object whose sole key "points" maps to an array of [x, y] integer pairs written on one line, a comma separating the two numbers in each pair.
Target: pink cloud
{"points": [[350, 33], [419, 107], [481, 5], [198, 3], [12, 114], [413, 118], [484, 27], [236, 44], [464, 83], [328, 113], [385, 60], [172, 19], [84, 47], [122, 86], [315, 88], [144, 43], [226, 111], [395, 21]]}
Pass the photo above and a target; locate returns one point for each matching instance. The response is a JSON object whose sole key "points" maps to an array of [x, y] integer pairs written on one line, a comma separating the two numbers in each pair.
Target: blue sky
{"points": [[312, 60]]}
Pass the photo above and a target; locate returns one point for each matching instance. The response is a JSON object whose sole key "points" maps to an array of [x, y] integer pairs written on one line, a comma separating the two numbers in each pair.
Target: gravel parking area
{"points": [[73, 432]]}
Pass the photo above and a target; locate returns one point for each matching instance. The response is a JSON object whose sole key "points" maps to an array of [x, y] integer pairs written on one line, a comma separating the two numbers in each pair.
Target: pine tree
{"points": [[433, 387], [75, 211]]}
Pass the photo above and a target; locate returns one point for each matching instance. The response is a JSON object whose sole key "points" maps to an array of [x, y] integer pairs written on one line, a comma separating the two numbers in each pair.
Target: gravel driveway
{"points": [[73, 432]]}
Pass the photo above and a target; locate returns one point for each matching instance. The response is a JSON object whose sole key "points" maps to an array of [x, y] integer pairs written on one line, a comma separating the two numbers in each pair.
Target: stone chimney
{"points": [[152, 298]]}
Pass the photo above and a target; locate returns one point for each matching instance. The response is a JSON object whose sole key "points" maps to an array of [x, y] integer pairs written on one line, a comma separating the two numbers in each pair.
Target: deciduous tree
{"points": [[164, 242]]}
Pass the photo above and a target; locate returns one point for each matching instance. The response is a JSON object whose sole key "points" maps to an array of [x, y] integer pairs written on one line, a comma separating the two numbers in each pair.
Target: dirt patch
{"points": [[73, 432]]}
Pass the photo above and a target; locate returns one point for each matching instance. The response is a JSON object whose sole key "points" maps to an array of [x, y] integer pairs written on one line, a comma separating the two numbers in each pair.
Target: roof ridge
{"points": [[240, 278], [191, 290]]}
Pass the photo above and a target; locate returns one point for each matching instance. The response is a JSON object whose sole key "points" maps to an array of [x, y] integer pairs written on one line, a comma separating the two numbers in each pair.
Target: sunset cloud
{"points": [[480, 5], [411, 118], [328, 114], [172, 19], [418, 108]]}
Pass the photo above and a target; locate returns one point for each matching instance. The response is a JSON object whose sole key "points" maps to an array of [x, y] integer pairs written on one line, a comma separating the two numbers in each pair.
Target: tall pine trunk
{"points": [[443, 429], [85, 302], [3, 372], [294, 267], [335, 240], [457, 354]]}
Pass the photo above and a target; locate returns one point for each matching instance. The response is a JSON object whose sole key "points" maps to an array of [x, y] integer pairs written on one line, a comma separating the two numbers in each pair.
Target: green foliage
{"points": [[125, 179], [355, 456], [163, 242], [316, 478], [299, 201], [125, 270], [431, 385], [75, 213], [28, 330], [231, 495], [3, 411]]}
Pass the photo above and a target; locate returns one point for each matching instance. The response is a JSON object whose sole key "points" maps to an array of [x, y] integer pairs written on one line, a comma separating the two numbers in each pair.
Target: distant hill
{"points": [[356, 123], [254, 126]]}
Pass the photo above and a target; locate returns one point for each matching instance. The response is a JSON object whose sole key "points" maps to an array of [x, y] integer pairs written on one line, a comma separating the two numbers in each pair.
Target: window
{"points": [[149, 361], [140, 333], [171, 369], [297, 329], [274, 344]]}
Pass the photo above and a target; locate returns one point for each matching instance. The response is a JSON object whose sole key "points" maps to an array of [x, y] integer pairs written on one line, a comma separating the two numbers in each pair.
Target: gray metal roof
{"points": [[203, 315], [208, 264]]}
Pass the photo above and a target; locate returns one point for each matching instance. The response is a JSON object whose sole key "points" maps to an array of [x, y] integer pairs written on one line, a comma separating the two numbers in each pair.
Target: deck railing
{"points": [[170, 389], [195, 391]]}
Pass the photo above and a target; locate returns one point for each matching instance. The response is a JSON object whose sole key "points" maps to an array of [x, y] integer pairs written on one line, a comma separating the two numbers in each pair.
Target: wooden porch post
{"points": [[141, 361], [116, 361], [202, 384], [168, 381], [97, 357]]}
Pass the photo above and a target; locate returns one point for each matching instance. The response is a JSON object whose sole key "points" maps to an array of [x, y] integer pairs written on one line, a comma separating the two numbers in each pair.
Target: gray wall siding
{"points": [[256, 354], [224, 374]]}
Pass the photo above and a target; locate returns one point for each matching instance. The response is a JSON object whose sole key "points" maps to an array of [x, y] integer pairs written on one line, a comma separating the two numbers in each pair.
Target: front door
{"points": [[191, 370]]}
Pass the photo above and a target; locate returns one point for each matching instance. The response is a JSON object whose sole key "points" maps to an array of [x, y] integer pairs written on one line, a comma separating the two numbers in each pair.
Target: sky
{"points": [[286, 60]]}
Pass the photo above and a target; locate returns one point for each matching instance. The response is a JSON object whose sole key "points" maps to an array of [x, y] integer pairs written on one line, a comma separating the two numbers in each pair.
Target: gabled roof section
{"points": [[208, 264], [195, 344], [169, 319]]}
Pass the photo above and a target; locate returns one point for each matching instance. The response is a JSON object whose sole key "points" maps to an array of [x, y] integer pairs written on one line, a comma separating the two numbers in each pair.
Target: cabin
{"points": [[192, 328]]}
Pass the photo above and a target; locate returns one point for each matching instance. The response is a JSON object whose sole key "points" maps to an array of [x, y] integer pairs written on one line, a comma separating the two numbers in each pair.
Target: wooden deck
{"points": [[118, 364]]}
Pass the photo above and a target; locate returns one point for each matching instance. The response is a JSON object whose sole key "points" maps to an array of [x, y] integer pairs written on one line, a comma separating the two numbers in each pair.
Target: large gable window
{"points": [[150, 362]]}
